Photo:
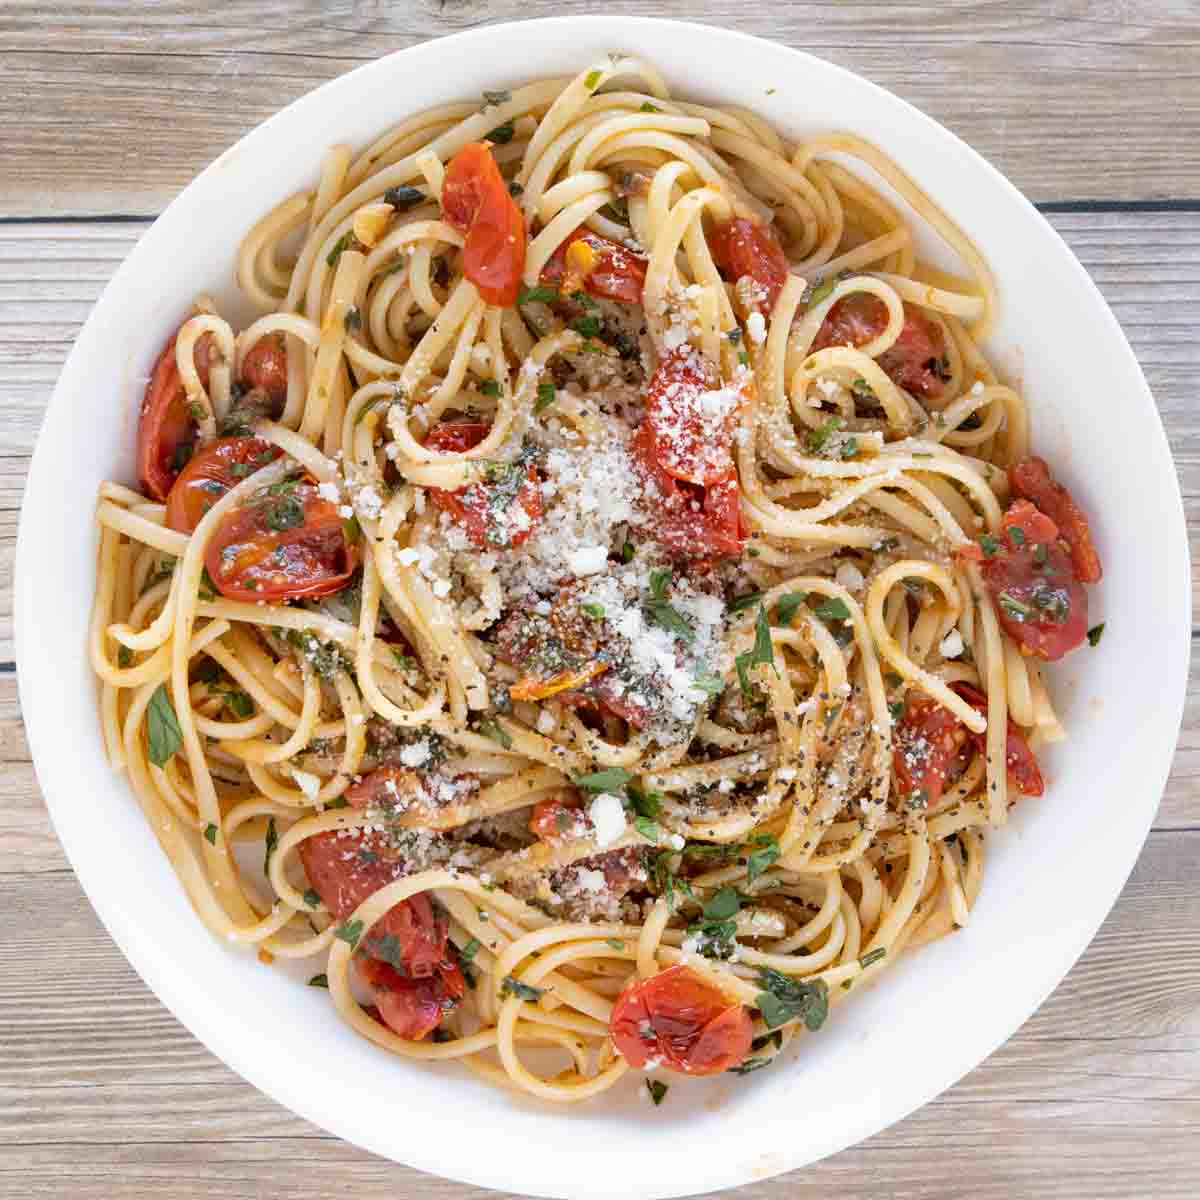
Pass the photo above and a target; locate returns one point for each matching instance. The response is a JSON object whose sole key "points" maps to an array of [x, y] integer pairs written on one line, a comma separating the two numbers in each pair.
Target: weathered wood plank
{"points": [[1104, 1081], [123, 103]]}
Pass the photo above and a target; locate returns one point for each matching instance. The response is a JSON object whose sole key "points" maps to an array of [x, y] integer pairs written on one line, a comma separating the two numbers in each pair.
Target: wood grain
{"points": [[108, 108], [121, 104]]}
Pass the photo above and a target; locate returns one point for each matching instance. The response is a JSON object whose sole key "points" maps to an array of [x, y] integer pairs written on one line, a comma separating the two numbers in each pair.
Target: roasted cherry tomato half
{"points": [[476, 202], [681, 1021], [602, 267], [747, 247], [928, 739], [502, 509], [1031, 480], [1030, 575], [265, 367], [166, 430], [413, 1008], [1019, 758], [285, 543], [210, 473], [915, 361]]}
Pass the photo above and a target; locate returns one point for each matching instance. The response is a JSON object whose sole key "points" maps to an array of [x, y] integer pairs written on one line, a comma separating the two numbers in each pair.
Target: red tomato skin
{"points": [[687, 520], [681, 1020], [1031, 480], [265, 367], [384, 788], [165, 423], [1020, 760], [209, 474], [345, 868], [618, 274], [927, 742], [747, 247], [1014, 572], [469, 505], [476, 202], [413, 1008], [910, 361], [560, 817], [244, 555]]}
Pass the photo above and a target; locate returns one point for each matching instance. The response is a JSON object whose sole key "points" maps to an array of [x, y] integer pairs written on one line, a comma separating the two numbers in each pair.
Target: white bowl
{"points": [[1052, 875]]}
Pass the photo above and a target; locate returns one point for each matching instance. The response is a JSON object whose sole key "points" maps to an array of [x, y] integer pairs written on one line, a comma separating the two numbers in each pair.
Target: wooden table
{"points": [[107, 108]]}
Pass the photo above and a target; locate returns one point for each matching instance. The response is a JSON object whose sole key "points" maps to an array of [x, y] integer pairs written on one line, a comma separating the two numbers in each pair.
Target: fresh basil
{"points": [[162, 727], [783, 999]]}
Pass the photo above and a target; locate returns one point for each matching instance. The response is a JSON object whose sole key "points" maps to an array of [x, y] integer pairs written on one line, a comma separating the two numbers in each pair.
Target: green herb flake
{"points": [[541, 294], [871, 957], [648, 107], [493, 729], [743, 358], [818, 291], [351, 530], [502, 134], [285, 513], [784, 999], [495, 99], [587, 326], [514, 987], [210, 833], [650, 830], [662, 612], [788, 605], [707, 682], [346, 242], [272, 840], [833, 609], [207, 591], [595, 611], [124, 657], [490, 387], [1016, 535], [989, 544], [1095, 634], [349, 932], [352, 321], [321, 980], [818, 438], [240, 704], [610, 780], [741, 603], [628, 550], [468, 952], [403, 198], [763, 652], [592, 80], [760, 859], [162, 727], [312, 898], [657, 1089], [547, 393], [615, 943], [1017, 609]]}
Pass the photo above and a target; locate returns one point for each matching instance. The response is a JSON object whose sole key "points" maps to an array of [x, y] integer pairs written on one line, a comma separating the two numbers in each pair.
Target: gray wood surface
{"points": [[108, 108]]}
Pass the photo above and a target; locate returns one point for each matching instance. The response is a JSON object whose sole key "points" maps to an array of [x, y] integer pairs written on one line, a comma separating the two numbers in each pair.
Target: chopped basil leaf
{"points": [[743, 358], [596, 611], [514, 987], [648, 107], [833, 609], [592, 79], [587, 326], [285, 513], [762, 652], [871, 957], [628, 550], [351, 530], [349, 932], [352, 321], [468, 952], [490, 387], [124, 657], [493, 729], [1016, 535], [321, 980], [662, 612], [162, 727], [615, 943], [647, 828], [272, 841], [312, 898], [760, 859], [706, 681], [495, 99], [610, 780], [817, 438], [207, 590], [989, 544], [547, 393], [1095, 634], [657, 1090], [210, 833], [741, 603], [502, 134], [541, 293], [816, 292], [1017, 609], [239, 704], [783, 999], [748, 1065], [346, 242], [896, 708], [862, 389]]}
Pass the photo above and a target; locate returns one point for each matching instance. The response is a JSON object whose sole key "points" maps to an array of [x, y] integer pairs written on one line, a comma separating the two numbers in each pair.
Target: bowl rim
{"points": [[167, 983]]}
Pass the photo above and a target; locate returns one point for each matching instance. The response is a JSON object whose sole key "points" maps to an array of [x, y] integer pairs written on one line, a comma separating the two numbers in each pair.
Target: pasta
{"points": [[598, 608]]}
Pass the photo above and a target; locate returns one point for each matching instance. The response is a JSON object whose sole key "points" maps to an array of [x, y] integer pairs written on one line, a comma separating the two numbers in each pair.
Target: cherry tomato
{"points": [[681, 1020], [265, 367], [605, 268], [689, 520], [386, 787], [1040, 603], [690, 422], [747, 247], [1031, 480], [166, 430], [280, 547], [210, 474], [486, 510], [928, 740], [559, 817], [413, 1008], [915, 361], [344, 868], [1019, 758], [475, 201]]}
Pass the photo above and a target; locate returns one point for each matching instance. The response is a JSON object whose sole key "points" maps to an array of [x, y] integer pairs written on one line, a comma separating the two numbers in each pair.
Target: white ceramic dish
{"points": [[1052, 876]]}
